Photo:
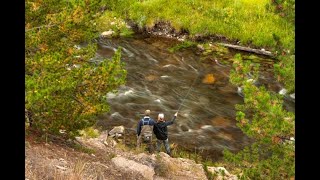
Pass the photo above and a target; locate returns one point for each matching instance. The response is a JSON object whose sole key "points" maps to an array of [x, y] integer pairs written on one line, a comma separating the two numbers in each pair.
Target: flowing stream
{"points": [[159, 80]]}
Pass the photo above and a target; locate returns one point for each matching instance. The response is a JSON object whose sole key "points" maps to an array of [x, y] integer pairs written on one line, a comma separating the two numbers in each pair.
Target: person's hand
{"points": [[176, 114]]}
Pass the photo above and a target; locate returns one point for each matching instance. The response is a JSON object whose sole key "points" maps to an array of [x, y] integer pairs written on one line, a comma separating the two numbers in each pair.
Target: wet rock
{"points": [[200, 47], [151, 77], [283, 91], [208, 79], [107, 34], [226, 136], [293, 95], [132, 166], [184, 128], [116, 116], [239, 91], [220, 121]]}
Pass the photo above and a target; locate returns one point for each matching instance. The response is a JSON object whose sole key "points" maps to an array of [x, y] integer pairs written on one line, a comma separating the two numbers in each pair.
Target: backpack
{"points": [[148, 134]]}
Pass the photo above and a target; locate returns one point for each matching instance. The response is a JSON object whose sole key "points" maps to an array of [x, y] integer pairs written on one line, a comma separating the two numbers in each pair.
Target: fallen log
{"points": [[257, 51]]}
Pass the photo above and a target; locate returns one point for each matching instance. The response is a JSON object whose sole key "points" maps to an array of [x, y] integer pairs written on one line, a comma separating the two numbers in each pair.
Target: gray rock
{"points": [[117, 115], [283, 91], [184, 128], [116, 131], [131, 166], [200, 47], [293, 95]]}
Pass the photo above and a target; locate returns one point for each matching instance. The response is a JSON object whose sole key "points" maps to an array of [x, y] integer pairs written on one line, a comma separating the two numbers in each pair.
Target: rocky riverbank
{"points": [[105, 157]]}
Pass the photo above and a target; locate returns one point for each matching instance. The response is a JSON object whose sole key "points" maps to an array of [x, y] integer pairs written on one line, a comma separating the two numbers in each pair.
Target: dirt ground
{"points": [[58, 161]]}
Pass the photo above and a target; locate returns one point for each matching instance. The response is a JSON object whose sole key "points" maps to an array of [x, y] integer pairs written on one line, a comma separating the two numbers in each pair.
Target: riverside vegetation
{"points": [[65, 89]]}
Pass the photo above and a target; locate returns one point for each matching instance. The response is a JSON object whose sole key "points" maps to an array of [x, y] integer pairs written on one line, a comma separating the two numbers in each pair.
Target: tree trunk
{"points": [[257, 51]]}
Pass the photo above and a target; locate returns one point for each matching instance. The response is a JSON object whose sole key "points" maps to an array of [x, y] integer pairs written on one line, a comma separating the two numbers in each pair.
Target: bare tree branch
{"points": [[257, 51]]}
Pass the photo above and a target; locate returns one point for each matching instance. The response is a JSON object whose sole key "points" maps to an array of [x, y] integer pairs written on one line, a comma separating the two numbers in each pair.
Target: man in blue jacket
{"points": [[144, 130], [161, 132]]}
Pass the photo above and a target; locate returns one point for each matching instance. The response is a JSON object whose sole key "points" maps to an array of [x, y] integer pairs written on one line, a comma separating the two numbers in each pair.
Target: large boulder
{"points": [[166, 167], [130, 166], [117, 131], [178, 168]]}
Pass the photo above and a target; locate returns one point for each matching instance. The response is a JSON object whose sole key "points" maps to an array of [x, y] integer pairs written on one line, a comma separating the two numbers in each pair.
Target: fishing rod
{"points": [[188, 92], [139, 113]]}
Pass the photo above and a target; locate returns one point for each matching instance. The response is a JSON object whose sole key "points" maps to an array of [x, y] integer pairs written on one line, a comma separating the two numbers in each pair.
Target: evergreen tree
{"points": [[262, 118]]}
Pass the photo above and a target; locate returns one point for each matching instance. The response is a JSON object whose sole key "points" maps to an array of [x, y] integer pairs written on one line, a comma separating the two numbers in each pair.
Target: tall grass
{"points": [[246, 20]]}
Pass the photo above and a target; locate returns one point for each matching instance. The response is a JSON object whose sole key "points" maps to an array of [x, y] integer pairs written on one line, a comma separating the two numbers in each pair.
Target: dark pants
{"points": [[166, 145]]}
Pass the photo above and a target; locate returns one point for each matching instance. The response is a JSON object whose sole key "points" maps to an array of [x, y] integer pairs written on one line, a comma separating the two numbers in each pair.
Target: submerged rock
{"points": [[239, 91], [151, 77], [208, 79]]}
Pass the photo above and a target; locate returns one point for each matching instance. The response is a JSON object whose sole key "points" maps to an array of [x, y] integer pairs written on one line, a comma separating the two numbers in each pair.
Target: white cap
{"points": [[161, 116]]}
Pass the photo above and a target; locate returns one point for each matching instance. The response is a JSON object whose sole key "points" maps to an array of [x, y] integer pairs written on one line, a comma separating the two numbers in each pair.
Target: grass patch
{"points": [[122, 146], [79, 168], [83, 149], [246, 20], [89, 132], [183, 45], [179, 152], [209, 174]]}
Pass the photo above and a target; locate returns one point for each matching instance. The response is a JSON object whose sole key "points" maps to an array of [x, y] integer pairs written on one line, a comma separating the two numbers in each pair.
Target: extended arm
{"points": [[172, 121]]}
